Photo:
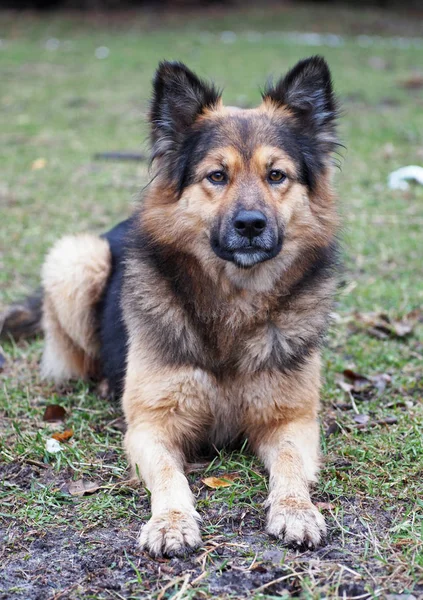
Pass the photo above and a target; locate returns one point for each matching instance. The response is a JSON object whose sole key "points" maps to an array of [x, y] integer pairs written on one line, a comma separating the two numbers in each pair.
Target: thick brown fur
{"points": [[218, 349]]}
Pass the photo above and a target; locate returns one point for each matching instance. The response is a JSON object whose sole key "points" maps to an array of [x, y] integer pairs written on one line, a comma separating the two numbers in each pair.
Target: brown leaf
{"points": [[380, 325], [54, 412], [414, 82], [361, 386], [82, 487], [401, 328], [64, 436], [332, 428], [119, 424], [358, 381], [388, 420], [325, 505], [216, 482]]}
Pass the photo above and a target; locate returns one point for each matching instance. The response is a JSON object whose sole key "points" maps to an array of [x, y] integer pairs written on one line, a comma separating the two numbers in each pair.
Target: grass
{"points": [[60, 106]]}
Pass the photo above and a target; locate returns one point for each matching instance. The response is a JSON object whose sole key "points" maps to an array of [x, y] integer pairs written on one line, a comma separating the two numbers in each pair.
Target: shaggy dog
{"points": [[206, 310]]}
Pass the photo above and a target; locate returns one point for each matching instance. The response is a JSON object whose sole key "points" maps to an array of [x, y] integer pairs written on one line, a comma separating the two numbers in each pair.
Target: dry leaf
{"points": [[380, 325], [216, 482], [119, 424], [64, 436], [358, 381], [414, 82], [82, 487], [332, 428], [380, 381], [324, 505], [40, 163], [360, 386], [54, 412], [388, 420], [361, 419]]}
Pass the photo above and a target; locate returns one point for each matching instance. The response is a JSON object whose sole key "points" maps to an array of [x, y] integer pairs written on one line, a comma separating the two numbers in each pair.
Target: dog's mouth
{"points": [[246, 256]]}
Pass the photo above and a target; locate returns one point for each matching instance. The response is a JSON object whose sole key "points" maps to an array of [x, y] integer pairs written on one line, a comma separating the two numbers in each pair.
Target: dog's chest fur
{"points": [[184, 318]]}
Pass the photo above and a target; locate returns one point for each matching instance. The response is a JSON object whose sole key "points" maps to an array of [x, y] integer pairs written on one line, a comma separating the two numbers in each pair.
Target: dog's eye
{"points": [[276, 176], [218, 177]]}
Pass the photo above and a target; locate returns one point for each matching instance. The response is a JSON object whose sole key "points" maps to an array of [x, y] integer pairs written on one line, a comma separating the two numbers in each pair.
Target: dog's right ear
{"points": [[179, 97]]}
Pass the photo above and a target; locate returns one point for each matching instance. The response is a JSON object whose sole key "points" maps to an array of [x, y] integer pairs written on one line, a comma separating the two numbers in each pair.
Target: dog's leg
{"points": [[283, 429], [165, 411], [173, 528], [290, 453]]}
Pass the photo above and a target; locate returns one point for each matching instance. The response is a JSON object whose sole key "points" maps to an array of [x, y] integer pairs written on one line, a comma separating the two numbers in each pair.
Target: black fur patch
{"points": [[307, 91], [179, 97], [113, 334]]}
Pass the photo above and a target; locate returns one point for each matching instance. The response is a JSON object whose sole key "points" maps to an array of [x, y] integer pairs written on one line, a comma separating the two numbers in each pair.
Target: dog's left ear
{"points": [[307, 92], [179, 97]]}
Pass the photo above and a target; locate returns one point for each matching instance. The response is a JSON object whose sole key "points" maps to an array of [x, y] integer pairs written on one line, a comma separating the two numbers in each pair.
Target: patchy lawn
{"points": [[60, 105]]}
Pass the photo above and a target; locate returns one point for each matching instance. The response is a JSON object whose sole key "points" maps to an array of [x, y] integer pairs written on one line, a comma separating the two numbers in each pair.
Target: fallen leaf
{"points": [[388, 420], [82, 487], [64, 436], [53, 446], [382, 326], [54, 412], [414, 82], [361, 387], [216, 482], [332, 428], [324, 505], [40, 163], [361, 419], [380, 381], [119, 424], [358, 381]]}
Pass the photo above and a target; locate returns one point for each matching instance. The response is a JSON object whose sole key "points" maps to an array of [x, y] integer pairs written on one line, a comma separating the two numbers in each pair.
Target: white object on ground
{"points": [[53, 446], [397, 179]]}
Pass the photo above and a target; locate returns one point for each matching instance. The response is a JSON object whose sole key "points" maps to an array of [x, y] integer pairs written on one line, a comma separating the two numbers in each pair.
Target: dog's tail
{"points": [[22, 319]]}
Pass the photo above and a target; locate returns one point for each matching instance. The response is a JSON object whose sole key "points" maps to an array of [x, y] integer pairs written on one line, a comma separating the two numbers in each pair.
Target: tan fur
{"points": [[278, 414], [74, 275]]}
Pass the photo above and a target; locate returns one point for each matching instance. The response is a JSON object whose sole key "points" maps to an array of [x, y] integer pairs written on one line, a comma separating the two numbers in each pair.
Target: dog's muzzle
{"points": [[247, 239]]}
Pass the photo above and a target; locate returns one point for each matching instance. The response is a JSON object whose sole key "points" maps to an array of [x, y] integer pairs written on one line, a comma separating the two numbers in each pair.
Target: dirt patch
{"points": [[238, 559]]}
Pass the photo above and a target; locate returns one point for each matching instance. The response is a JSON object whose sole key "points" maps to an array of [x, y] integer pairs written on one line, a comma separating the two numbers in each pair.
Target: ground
{"points": [[73, 87]]}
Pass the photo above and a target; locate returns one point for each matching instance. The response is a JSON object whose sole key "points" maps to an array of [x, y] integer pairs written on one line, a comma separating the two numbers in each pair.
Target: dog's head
{"points": [[249, 188]]}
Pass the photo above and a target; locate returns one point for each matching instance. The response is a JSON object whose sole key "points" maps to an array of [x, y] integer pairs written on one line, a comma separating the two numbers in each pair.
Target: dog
{"points": [[206, 310]]}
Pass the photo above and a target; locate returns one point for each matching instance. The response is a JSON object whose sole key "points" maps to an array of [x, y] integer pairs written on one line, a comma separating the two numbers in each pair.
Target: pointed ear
{"points": [[179, 97], [307, 92]]}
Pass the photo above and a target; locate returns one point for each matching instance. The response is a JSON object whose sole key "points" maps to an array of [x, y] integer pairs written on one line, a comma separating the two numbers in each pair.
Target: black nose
{"points": [[250, 223]]}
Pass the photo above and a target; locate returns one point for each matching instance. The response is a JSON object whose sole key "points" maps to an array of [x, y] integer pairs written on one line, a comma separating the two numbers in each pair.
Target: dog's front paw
{"points": [[297, 522], [171, 533]]}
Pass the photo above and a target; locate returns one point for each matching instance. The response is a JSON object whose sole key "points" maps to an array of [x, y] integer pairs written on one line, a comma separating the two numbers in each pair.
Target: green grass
{"points": [[63, 106]]}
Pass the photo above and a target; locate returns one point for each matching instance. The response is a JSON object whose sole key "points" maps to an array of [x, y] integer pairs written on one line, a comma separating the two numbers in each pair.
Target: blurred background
{"points": [[76, 82]]}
